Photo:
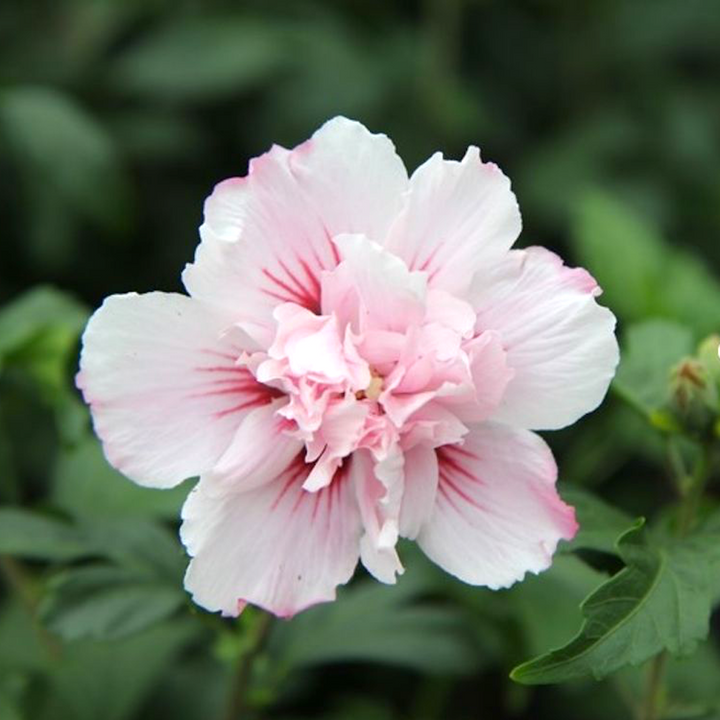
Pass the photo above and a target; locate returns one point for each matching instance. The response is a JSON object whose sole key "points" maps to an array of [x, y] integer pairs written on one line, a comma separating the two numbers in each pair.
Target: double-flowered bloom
{"points": [[361, 357]]}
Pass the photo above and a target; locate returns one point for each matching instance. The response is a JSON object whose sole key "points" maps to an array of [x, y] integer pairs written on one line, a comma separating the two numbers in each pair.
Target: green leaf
{"points": [[62, 152], [660, 601], [650, 350], [374, 623], [652, 278], [229, 56], [600, 524], [554, 596], [124, 672], [623, 252], [138, 544], [86, 486], [107, 602], [133, 543], [36, 311], [34, 536]]}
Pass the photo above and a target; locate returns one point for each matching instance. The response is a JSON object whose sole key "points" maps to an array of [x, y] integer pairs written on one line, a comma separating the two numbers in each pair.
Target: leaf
{"points": [[123, 672], [39, 332], [138, 544], [133, 543], [62, 151], [374, 623], [659, 601], [229, 56], [36, 311], [623, 251], [650, 350], [86, 486], [600, 524], [554, 596], [107, 602], [34, 536], [641, 274]]}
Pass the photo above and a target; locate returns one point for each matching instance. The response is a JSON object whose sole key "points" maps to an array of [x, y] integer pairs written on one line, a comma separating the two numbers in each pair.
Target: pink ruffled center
{"points": [[355, 382]]}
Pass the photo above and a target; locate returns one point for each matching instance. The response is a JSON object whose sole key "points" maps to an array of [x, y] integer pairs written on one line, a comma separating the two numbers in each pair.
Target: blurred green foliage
{"points": [[118, 116]]}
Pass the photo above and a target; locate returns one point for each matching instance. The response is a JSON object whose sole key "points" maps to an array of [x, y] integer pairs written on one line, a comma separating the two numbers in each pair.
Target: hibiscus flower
{"points": [[361, 356]]}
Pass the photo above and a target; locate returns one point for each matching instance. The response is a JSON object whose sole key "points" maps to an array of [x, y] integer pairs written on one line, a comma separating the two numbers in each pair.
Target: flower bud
{"points": [[693, 395]]}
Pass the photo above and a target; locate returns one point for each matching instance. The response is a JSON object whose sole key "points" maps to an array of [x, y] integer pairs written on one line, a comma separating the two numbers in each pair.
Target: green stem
{"points": [[237, 704], [693, 496], [655, 688]]}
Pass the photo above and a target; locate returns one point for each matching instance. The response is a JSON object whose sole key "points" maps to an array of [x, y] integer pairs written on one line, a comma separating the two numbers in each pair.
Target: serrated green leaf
{"points": [[554, 596], [107, 602], [650, 350], [660, 601], [600, 524]]}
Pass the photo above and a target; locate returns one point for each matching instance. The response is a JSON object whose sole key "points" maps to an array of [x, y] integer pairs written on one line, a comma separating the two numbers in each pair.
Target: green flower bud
{"points": [[693, 396]]}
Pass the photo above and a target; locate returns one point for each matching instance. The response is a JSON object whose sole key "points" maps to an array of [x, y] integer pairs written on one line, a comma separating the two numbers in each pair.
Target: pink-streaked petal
{"points": [[161, 378], [420, 489], [278, 546], [262, 245], [389, 296], [457, 218], [379, 509], [261, 449], [353, 178], [497, 513], [559, 341]]}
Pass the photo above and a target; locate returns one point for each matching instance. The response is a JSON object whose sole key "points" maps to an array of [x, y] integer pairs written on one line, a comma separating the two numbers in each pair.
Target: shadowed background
{"points": [[118, 117]]}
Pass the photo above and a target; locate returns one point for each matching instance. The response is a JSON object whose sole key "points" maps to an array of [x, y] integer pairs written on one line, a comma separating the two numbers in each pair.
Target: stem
{"points": [[238, 696], [655, 688], [691, 501]]}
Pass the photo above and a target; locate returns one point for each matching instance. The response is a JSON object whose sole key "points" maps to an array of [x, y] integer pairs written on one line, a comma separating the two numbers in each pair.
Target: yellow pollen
{"points": [[373, 390]]}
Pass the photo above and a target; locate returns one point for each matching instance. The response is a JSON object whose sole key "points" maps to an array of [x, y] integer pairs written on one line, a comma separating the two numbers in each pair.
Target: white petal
{"points": [[420, 489], [277, 546], [354, 178], [379, 503], [457, 218], [160, 377], [497, 514], [559, 341], [262, 245], [267, 237]]}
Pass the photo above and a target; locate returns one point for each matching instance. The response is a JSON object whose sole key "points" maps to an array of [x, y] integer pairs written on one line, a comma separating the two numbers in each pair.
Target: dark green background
{"points": [[117, 118]]}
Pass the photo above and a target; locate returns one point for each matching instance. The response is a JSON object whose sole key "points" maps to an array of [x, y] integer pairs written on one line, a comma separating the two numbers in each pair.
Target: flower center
{"points": [[374, 389]]}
